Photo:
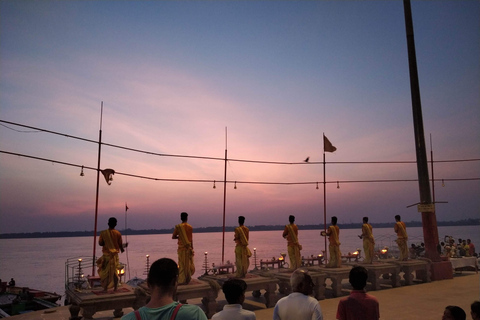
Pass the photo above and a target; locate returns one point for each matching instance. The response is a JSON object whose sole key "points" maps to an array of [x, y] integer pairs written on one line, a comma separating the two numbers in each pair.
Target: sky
{"points": [[260, 80]]}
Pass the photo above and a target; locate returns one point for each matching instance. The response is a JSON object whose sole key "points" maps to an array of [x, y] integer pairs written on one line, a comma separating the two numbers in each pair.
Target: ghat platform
{"points": [[92, 301], [206, 290], [336, 275], [283, 278], [255, 283]]}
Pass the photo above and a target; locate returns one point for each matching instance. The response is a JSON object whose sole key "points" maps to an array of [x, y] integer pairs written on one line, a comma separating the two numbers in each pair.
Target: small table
{"points": [[465, 263], [310, 261], [224, 268], [273, 263]]}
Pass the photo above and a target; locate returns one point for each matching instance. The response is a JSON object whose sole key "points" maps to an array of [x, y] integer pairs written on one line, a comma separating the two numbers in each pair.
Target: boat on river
{"points": [[19, 300]]}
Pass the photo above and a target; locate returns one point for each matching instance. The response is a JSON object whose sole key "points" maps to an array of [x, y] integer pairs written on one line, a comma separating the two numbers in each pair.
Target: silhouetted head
{"points": [[241, 220], [112, 222], [454, 313], [475, 310], [163, 274], [184, 216], [291, 219], [397, 217], [358, 277], [365, 219], [234, 290], [334, 220]]}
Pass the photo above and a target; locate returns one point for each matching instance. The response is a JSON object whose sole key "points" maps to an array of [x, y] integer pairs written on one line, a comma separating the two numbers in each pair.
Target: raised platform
{"points": [[255, 283], [421, 267], [92, 301], [284, 287], [206, 290], [336, 275], [377, 272]]}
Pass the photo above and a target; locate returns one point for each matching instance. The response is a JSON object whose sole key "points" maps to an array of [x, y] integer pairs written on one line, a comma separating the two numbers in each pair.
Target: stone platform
{"points": [[92, 301], [420, 267], [336, 275], [206, 290], [283, 278]]}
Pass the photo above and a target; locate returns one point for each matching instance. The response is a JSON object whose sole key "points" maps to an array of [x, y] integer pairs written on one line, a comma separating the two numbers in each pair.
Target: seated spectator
{"points": [[359, 305], [471, 248], [234, 290], [454, 313]]}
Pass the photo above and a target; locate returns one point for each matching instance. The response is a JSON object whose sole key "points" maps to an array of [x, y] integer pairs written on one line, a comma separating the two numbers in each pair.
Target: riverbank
{"points": [[64, 234], [419, 301]]}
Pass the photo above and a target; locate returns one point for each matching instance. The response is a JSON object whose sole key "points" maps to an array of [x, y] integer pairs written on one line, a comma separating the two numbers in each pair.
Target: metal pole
{"points": [[431, 166], [429, 220], [96, 197], [224, 198], [324, 204]]}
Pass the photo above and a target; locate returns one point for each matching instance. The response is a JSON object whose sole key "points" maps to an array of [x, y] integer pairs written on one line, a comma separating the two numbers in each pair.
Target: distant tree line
{"points": [[62, 234]]}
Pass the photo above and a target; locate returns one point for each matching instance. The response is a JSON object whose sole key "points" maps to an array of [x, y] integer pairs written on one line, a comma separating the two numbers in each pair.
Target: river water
{"points": [[40, 263]]}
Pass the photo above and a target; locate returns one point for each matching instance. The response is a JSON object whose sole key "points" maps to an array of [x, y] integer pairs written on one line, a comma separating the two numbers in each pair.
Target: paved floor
{"points": [[418, 301]]}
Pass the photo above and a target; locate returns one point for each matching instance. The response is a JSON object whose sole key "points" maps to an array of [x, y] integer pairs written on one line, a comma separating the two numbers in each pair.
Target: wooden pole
{"points": [[96, 197], [224, 198], [429, 220]]}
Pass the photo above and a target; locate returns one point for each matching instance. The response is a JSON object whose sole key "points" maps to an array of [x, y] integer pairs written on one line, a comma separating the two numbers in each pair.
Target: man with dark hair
{"points": [[333, 233], [184, 233], [454, 313], [162, 281], [234, 290], [402, 238], [298, 304], [475, 310], [359, 305], [368, 240], [108, 264], [293, 247], [242, 252]]}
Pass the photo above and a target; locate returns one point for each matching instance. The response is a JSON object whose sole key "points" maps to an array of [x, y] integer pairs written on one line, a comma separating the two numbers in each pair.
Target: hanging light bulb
{"points": [[81, 173], [338, 185], [214, 187], [443, 183], [235, 185], [317, 185]]}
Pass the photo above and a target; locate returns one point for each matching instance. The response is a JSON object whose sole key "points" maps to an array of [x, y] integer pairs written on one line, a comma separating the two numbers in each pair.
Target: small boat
{"points": [[19, 300]]}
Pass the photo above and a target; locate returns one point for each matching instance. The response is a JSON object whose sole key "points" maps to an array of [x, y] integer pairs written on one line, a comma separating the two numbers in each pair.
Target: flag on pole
{"points": [[126, 207], [108, 174], [327, 145]]}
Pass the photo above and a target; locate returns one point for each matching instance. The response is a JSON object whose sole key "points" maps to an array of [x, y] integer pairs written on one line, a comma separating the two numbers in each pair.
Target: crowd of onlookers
{"points": [[464, 248]]}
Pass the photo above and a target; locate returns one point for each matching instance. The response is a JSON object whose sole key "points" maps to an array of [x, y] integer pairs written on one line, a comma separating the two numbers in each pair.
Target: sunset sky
{"points": [[175, 76]]}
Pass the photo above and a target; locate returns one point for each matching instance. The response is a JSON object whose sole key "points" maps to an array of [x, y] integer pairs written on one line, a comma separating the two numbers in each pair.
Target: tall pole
{"points": [[224, 197], [431, 169], [96, 197], [324, 203], [429, 220]]}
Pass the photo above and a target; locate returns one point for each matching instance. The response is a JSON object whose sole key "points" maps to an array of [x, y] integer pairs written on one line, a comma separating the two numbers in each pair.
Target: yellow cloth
{"points": [[108, 263], [242, 252], [293, 247], [335, 260], [368, 242], [186, 266], [402, 238]]}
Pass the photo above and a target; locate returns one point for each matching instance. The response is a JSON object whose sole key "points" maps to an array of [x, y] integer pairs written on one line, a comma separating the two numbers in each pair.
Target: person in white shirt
{"points": [[298, 304], [234, 290]]}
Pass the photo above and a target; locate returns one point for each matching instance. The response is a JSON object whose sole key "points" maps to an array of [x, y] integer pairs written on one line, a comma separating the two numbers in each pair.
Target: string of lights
{"points": [[217, 158], [235, 182]]}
